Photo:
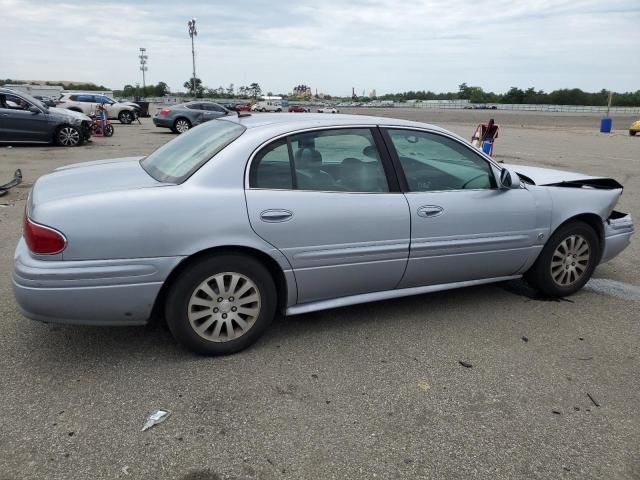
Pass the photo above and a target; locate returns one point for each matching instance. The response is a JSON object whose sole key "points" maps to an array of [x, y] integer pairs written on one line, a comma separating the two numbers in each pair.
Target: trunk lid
{"points": [[90, 178]]}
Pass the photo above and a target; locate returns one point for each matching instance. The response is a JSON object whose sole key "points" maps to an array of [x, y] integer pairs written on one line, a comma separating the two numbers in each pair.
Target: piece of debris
{"points": [[525, 339], [556, 412], [580, 338], [465, 364], [424, 386], [577, 409], [585, 358], [125, 470], [155, 418], [593, 400]]}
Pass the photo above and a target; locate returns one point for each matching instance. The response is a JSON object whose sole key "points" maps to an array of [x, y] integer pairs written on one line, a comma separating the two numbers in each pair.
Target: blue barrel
{"points": [[605, 125]]}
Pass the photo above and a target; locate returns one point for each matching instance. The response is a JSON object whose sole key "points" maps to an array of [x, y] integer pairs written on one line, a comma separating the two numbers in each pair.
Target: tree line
{"points": [[564, 96]]}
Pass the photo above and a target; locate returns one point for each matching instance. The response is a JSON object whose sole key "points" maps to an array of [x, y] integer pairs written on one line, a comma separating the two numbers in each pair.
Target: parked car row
{"points": [[25, 119]]}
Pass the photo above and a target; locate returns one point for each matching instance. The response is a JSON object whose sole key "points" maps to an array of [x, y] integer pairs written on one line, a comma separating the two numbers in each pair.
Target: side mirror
{"points": [[509, 179], [33, 109]]}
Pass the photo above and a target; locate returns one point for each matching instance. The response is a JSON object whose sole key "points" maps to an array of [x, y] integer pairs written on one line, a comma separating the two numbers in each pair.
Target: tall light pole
{"points": [[143, 67], [193, 33]]}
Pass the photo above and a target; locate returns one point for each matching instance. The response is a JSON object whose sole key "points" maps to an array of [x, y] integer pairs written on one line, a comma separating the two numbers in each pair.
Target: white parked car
{"points": [[87, 103], [328, 110], [267, 106]]}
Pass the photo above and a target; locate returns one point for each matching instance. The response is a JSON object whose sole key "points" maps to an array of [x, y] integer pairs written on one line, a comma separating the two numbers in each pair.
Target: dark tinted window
{"points": [[433, 162], [86, 98], [272, 168], [342, 160]]}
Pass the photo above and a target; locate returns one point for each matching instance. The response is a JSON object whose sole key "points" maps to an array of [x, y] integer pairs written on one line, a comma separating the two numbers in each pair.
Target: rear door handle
{"points": [[428, 211], [276, 215]]}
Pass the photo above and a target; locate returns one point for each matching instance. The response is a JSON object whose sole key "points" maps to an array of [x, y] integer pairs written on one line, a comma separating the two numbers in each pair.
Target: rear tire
{"points": [[108, 130], [181, 125], [567, 261], [69, 136], [632, 133], [221, 304]]}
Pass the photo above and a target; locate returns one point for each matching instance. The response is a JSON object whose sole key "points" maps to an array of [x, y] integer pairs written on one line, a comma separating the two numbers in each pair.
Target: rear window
{"points": [[177, 160]]}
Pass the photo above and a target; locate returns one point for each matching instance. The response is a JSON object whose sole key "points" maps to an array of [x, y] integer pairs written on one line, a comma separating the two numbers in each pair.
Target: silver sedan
{"points": [[182, 117], [243, 217]]}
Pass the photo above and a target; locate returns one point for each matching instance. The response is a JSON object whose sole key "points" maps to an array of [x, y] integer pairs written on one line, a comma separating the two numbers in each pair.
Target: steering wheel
{"points": [[464, 185]]}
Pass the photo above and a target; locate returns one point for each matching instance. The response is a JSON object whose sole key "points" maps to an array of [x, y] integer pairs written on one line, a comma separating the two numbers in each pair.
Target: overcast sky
{"points": [[330, 45]]}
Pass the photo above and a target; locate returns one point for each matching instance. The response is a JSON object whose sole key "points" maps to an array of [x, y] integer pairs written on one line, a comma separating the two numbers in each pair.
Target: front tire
{"points": [[567, 261], [221, 304], [125, 117], [69, 136]]}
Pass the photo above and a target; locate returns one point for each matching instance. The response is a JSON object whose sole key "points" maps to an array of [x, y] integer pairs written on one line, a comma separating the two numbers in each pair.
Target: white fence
{"points": [[523, 107]]}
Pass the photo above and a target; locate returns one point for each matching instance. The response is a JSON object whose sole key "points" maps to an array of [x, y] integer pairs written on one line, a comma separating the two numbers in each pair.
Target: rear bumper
{"points": [[618, 230], [88, 292], [162, 122]]}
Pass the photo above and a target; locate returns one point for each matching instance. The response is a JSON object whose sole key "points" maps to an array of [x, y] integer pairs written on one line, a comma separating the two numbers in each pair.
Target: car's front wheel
{"points": [[181, 125], [221, 304], [567, 261], [69, 136], [125, 117]]}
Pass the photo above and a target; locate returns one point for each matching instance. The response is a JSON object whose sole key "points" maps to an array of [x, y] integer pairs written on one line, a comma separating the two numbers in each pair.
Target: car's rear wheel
{"points": [[632, 133], [69, 136], [567, 261], [181, 125], [125, 117], [221, 304]]}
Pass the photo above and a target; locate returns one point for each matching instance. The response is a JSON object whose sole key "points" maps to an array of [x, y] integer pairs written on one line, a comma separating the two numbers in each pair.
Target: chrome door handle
{"points": [[429, 211], [275, 215]]}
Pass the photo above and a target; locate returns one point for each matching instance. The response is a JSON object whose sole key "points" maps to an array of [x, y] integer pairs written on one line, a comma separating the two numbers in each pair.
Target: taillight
{"points": [[42, 240], [164, 111]]}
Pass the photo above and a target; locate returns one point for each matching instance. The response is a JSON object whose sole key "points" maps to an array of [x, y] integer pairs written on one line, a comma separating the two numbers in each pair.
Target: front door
{"points": [[463, 227], [324, 199]]}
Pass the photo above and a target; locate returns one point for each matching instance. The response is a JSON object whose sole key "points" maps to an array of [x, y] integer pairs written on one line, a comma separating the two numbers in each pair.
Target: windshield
{"points": [[177, 160]]}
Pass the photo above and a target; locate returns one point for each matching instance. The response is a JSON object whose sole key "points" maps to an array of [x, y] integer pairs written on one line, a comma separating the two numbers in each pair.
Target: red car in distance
{"points": [[298, 108], [244, 107]]}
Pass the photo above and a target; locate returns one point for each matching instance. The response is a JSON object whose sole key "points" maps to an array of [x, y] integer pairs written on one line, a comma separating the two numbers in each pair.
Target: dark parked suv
{"points": [[24, 119]]}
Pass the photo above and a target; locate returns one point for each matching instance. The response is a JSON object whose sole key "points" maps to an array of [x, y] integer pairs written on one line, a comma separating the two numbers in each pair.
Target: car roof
{"points": [[295, 121]]}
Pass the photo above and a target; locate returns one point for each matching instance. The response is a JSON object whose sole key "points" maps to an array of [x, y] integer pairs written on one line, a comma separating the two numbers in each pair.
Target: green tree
{"points": [[254, 90], [230, 91], [199, 87]]}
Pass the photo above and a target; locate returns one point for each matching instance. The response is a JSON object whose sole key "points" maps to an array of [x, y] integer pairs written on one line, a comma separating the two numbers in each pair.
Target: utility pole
{"points": [[143, 67], [193, 33]]}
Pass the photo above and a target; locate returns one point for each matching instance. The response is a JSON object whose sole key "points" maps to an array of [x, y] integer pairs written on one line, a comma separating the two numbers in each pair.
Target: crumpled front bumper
{"points": [[88, 292], [618, 230]]}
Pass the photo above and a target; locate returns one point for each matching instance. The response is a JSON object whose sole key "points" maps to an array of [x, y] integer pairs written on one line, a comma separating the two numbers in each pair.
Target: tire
{"points": [[126, 117], [278, 110], [181, 125], [564, 266], [632, 133], [194, 300], [108, 130], [69, 136]]}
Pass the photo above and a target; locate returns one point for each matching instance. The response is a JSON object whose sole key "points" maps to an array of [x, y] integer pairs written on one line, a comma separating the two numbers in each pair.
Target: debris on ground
{"points": [[424, 386], [155, 418], [465, 364], [593, 399], [525, 339], [556, 412], [17, 180]]}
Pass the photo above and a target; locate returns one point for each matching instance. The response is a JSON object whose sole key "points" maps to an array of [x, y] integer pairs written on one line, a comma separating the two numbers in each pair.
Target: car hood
{"points": [[91, 178], [551, 177], [63, 112]]}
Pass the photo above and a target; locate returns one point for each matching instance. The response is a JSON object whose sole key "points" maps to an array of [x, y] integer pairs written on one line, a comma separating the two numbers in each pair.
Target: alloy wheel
{"points": [[182, 126], [570, 260], [68, 136], [224, 307]]}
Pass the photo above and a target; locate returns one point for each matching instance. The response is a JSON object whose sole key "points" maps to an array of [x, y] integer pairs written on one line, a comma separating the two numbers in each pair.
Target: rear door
{"points": [[330, 203], [463, 227], [18, 124]]}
